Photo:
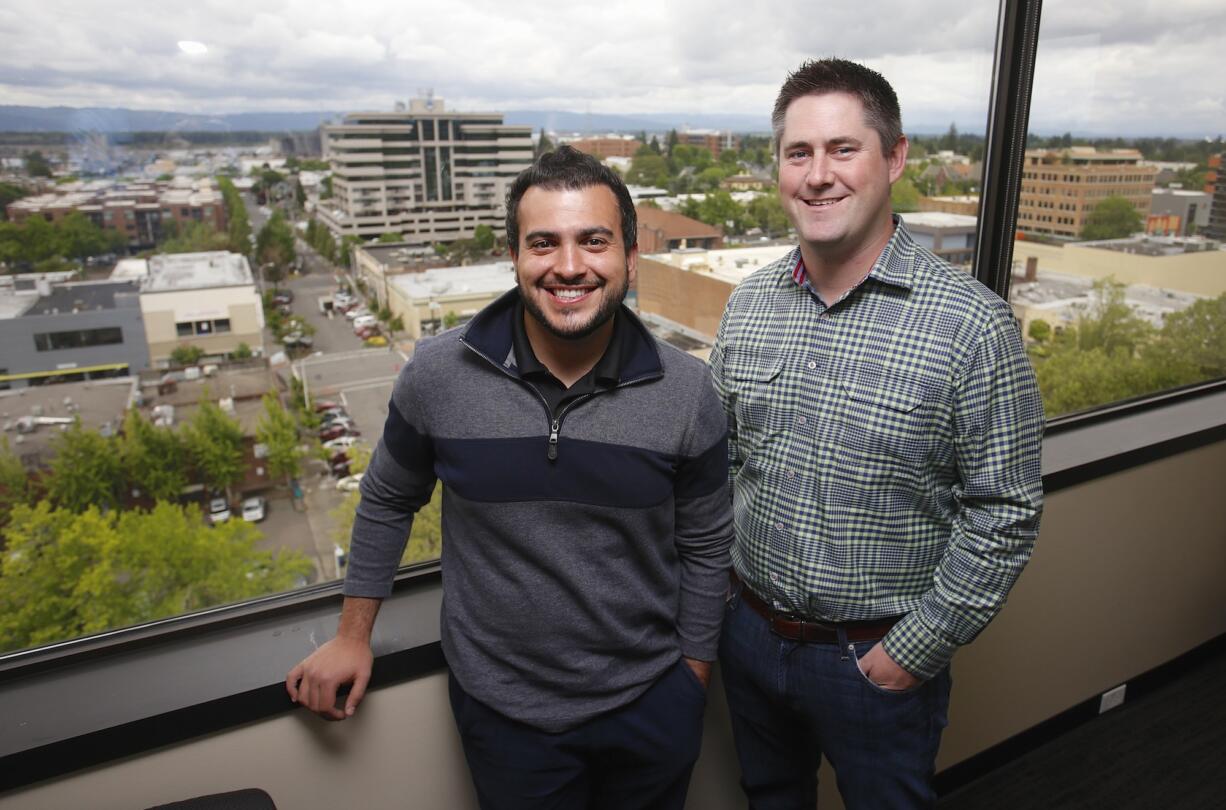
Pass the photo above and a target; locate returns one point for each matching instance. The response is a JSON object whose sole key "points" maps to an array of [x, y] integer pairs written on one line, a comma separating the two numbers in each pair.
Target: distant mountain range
{"points": [[115, 120]]}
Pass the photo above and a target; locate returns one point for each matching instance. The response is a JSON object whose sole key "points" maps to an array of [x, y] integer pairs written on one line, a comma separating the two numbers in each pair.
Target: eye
{"points": [[596, 241], [797, 154], [845, 151]]}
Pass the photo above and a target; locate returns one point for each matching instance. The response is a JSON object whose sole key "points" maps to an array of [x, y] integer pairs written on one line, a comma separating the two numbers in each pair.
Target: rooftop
{"points": [[100, 404], [194, 271], [1070, 296], [441, 282], [1156, 245], [732, 265], [87, 295], [674, 225], [939, 219]]}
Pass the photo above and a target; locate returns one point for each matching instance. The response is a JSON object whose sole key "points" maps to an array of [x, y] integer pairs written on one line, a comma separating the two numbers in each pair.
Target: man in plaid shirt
{"points": [[885, 437]]}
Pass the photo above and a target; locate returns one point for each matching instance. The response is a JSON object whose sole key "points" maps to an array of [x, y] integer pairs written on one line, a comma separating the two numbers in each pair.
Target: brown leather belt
{"points": [[786, 625]]}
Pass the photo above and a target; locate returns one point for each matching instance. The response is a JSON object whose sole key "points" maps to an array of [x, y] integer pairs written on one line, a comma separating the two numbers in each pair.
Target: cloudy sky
{"points": [[1105, 66]]}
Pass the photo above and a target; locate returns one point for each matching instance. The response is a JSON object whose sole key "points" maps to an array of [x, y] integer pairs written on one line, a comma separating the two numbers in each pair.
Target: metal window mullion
{"points": [[1017, 40]]}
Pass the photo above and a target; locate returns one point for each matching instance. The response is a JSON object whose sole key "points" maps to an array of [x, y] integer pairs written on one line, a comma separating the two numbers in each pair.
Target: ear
{"points": [[632, 264], [897, 158]]}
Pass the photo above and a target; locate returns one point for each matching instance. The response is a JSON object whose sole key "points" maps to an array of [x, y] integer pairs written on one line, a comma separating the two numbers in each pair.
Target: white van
{"points": [[364, 320]]}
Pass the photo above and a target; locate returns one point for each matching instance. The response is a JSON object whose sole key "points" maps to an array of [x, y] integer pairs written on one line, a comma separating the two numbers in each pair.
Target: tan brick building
{"points": [[139, 211], [1061, 187], [607, 147]]}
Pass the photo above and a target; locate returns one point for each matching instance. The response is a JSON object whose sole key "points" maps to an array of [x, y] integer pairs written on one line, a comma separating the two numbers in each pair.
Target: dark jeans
{"points": [[792, 702], [638, 756]]}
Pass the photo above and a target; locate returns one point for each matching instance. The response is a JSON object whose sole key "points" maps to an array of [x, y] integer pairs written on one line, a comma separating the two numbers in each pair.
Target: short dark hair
{"points": [[820, 76], [568, 168]]}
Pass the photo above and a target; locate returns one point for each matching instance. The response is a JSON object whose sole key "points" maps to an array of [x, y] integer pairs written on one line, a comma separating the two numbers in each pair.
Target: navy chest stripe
{"points": [[594, 473], [409, 448], [703, 475]]}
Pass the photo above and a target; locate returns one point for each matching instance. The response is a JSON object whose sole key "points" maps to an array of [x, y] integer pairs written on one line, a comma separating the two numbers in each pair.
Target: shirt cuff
{"points": [[915, 648]]}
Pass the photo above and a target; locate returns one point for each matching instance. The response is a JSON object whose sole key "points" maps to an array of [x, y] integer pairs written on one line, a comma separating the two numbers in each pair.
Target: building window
{"points": [[221, 325], [78, 339], [184, 329]]}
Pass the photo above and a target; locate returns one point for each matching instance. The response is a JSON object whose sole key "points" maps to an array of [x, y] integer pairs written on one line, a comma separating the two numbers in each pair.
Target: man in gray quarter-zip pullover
{"points": [[586, 519]]}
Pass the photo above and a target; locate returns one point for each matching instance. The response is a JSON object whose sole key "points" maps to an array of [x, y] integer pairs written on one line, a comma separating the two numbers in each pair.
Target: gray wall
{"points": [[1126, 576], [18, 354]]}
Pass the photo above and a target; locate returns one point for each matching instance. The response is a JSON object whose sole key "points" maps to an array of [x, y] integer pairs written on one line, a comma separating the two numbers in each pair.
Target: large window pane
{"points": [[1119, 276], [284, 125]]}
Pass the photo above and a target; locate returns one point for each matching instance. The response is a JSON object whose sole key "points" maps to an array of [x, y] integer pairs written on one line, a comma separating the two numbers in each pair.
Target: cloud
{"points": [[1125, 66]]}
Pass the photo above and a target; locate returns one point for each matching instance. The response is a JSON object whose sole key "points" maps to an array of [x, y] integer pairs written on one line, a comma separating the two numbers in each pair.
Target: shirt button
{"points": [[802, 420], [778, 527], [791, 474], [812, 364], [774, 577]]}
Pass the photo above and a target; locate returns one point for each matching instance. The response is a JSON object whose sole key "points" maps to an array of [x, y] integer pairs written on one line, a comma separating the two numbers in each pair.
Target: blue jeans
{"points": [[638, 756], [792, 702]]}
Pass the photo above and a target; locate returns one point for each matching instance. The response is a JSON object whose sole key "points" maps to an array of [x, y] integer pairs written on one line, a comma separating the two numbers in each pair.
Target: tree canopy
{"points": [[1113, 218], [64, 574]]}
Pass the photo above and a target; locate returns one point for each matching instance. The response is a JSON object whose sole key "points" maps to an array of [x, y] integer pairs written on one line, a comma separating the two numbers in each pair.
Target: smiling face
{"points": [[571, 266], [835, 177]]}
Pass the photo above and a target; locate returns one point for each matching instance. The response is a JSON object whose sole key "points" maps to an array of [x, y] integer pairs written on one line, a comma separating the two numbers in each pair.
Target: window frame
{"points": [[266, 634]]}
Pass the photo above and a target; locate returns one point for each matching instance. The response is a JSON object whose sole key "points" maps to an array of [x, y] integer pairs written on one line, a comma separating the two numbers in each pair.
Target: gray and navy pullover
{"points": [[572, 577]]}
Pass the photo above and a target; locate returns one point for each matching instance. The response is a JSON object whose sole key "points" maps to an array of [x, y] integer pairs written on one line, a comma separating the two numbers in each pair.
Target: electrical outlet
{"points": [[1112, 698]]}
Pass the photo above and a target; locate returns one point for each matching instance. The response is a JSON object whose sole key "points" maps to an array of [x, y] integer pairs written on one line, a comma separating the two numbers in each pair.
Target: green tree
{"points": [[65, 574], [647, 168], [904, 196], [1194, 338], [719, 209], [193, 237], [153, 458], [1110, 323], [241, 352], [767, 213], [483, 236], [186, 354], [78, 237], [15, 486], [1113, 218], [86, 470], [9, 192], [279, 432], [390, 238], [425, 541], [274, 247], [37, 165], [214, 442], [1040, 331]]}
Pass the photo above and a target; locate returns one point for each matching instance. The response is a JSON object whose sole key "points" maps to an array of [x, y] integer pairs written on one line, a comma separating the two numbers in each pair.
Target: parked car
{"points": [[297, 339], [334, 431], [366, 332], [328, 417], [340, 443], [219, 511], [357, 312], [375, 341], [340, 469], [349, 483], [253, 509], [283, 297], [339, 457], [322, 405]]}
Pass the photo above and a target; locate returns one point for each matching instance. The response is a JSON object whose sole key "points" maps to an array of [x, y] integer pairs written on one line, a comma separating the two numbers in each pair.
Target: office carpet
{"points": [[1163, 749]]}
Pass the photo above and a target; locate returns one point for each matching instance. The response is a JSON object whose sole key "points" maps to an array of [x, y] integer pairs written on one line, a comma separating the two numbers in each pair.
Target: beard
{"points": [[611, 300]]}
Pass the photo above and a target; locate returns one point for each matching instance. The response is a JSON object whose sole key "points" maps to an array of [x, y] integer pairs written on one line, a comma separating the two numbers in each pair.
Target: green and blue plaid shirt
{"points": [[884, 450]]}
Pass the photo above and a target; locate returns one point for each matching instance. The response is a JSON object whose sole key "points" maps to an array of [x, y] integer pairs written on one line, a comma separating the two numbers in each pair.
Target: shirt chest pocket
{"points": [[751, 380], [887, 418]]}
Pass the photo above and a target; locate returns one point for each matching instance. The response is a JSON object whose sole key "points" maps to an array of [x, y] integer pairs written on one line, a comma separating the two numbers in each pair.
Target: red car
{"points": [[322, 405], [366, 332], [329, 433]]}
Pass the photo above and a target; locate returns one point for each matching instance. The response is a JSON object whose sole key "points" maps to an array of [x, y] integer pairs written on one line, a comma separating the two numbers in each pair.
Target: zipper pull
{"points": [[553, 440]]}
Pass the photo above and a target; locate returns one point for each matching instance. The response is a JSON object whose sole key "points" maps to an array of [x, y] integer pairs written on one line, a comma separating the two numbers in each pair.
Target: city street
{"points": [[340, 368]]}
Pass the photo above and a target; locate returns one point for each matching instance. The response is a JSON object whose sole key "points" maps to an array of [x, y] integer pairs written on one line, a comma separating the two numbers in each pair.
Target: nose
{"points": [[570, 264], [820, 171]]}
